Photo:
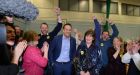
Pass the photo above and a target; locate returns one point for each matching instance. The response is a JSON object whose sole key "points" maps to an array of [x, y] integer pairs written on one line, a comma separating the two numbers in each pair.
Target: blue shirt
{"points": [[65, 50]]}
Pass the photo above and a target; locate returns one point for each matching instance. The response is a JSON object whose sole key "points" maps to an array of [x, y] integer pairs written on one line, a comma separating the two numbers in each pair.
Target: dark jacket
{"points": [[104, 45], [133, 70], [89, 59], [55, 48], [11, 69], [49, 37]]}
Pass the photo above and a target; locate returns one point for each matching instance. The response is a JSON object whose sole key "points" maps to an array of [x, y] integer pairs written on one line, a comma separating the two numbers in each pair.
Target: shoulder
{"points": [[72, 38], [82, 45], [32, 49], [58, 36], [39, 34]]}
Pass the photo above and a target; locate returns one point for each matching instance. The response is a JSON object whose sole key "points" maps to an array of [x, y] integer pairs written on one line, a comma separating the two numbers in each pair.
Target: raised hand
{"points": [[109, 21], [94, 17], [129, 47], [135, 47], [57, 11], [45, 49], [117, 47]]}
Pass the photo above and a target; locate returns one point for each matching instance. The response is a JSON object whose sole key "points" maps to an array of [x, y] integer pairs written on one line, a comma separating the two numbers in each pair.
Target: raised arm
{"points": [[58, 27], [97, 28], [114, 28], [97, 31]]}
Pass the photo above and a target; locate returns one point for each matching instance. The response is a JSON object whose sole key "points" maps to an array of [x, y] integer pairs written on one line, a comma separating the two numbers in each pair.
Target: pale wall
{"points": [[129, 26]]}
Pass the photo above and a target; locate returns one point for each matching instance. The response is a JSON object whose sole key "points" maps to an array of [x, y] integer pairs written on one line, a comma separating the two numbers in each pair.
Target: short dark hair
{"points": [[90, 32], [44, 23], [6, 54], [9, 24], [17, 26], [106, 31], [67, 24]]}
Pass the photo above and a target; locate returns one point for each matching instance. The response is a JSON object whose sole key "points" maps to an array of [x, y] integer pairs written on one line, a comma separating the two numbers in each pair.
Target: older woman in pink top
{"points": [[34, 59]]}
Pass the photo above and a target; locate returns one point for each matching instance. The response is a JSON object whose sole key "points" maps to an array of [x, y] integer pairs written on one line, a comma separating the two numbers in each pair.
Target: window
{"points": [[63, 4], [84, 5], [74, 5], [131, 10], [100, 7], [136, 11]]}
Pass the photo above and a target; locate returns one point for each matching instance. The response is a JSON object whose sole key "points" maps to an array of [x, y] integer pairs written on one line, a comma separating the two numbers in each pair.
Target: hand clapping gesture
{"points": [[18, 51], [45, 49]]}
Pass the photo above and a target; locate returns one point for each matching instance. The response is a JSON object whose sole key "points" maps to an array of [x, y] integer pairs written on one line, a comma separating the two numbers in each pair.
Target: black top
{"points": [[11, 69], [133, 69], [115, 66], [49, 37]]}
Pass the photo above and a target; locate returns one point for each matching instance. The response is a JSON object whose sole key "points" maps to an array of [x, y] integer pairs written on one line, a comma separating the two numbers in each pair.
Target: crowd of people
{"points": [[47, 53]]}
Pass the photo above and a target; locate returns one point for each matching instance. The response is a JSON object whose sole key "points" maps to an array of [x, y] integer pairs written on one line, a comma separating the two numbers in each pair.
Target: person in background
{"points": [[62, 51], [106, 42], [115, 66], [34, 59], [48, 36], [9, 55], [19, 34], [78, 37], [132, 57]]}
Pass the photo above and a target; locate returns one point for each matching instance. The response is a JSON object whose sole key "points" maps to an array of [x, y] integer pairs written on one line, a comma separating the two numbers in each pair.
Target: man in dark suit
{"points": [[62, 51]]}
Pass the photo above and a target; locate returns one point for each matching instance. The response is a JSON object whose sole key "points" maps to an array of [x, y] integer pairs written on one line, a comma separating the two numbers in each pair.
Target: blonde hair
{"points": [[121, 46], [29, 35]]}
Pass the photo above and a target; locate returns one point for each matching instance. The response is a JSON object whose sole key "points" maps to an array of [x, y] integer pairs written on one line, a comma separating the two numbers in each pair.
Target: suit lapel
{"points": [[71, 43], [60, 42]]}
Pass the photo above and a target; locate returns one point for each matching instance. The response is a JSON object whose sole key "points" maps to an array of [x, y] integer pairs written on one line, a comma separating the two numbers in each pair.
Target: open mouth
{"points": [[11, 38]]}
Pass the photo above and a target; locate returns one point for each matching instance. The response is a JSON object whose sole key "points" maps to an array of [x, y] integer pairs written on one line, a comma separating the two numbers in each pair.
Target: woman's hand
{"points": [[84, 73], [18, 51], [45, 49]]}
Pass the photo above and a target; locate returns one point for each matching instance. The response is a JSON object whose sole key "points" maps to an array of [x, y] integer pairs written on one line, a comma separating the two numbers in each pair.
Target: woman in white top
{"points": [[132, 57]]}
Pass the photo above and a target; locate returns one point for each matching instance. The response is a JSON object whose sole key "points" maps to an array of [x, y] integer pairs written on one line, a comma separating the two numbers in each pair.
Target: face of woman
{"points": [[117, 42], [36, 39], [135, 45], [10, 35], [89, 39]]}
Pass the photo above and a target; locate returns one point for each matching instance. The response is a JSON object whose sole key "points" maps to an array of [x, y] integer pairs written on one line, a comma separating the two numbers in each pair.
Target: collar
{"points": [[64, 37], [46, 34]]}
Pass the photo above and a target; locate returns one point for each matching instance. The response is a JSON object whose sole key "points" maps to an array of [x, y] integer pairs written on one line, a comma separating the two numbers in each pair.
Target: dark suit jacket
{"points": [[49, 37], [11, 69], [55, 48]]}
